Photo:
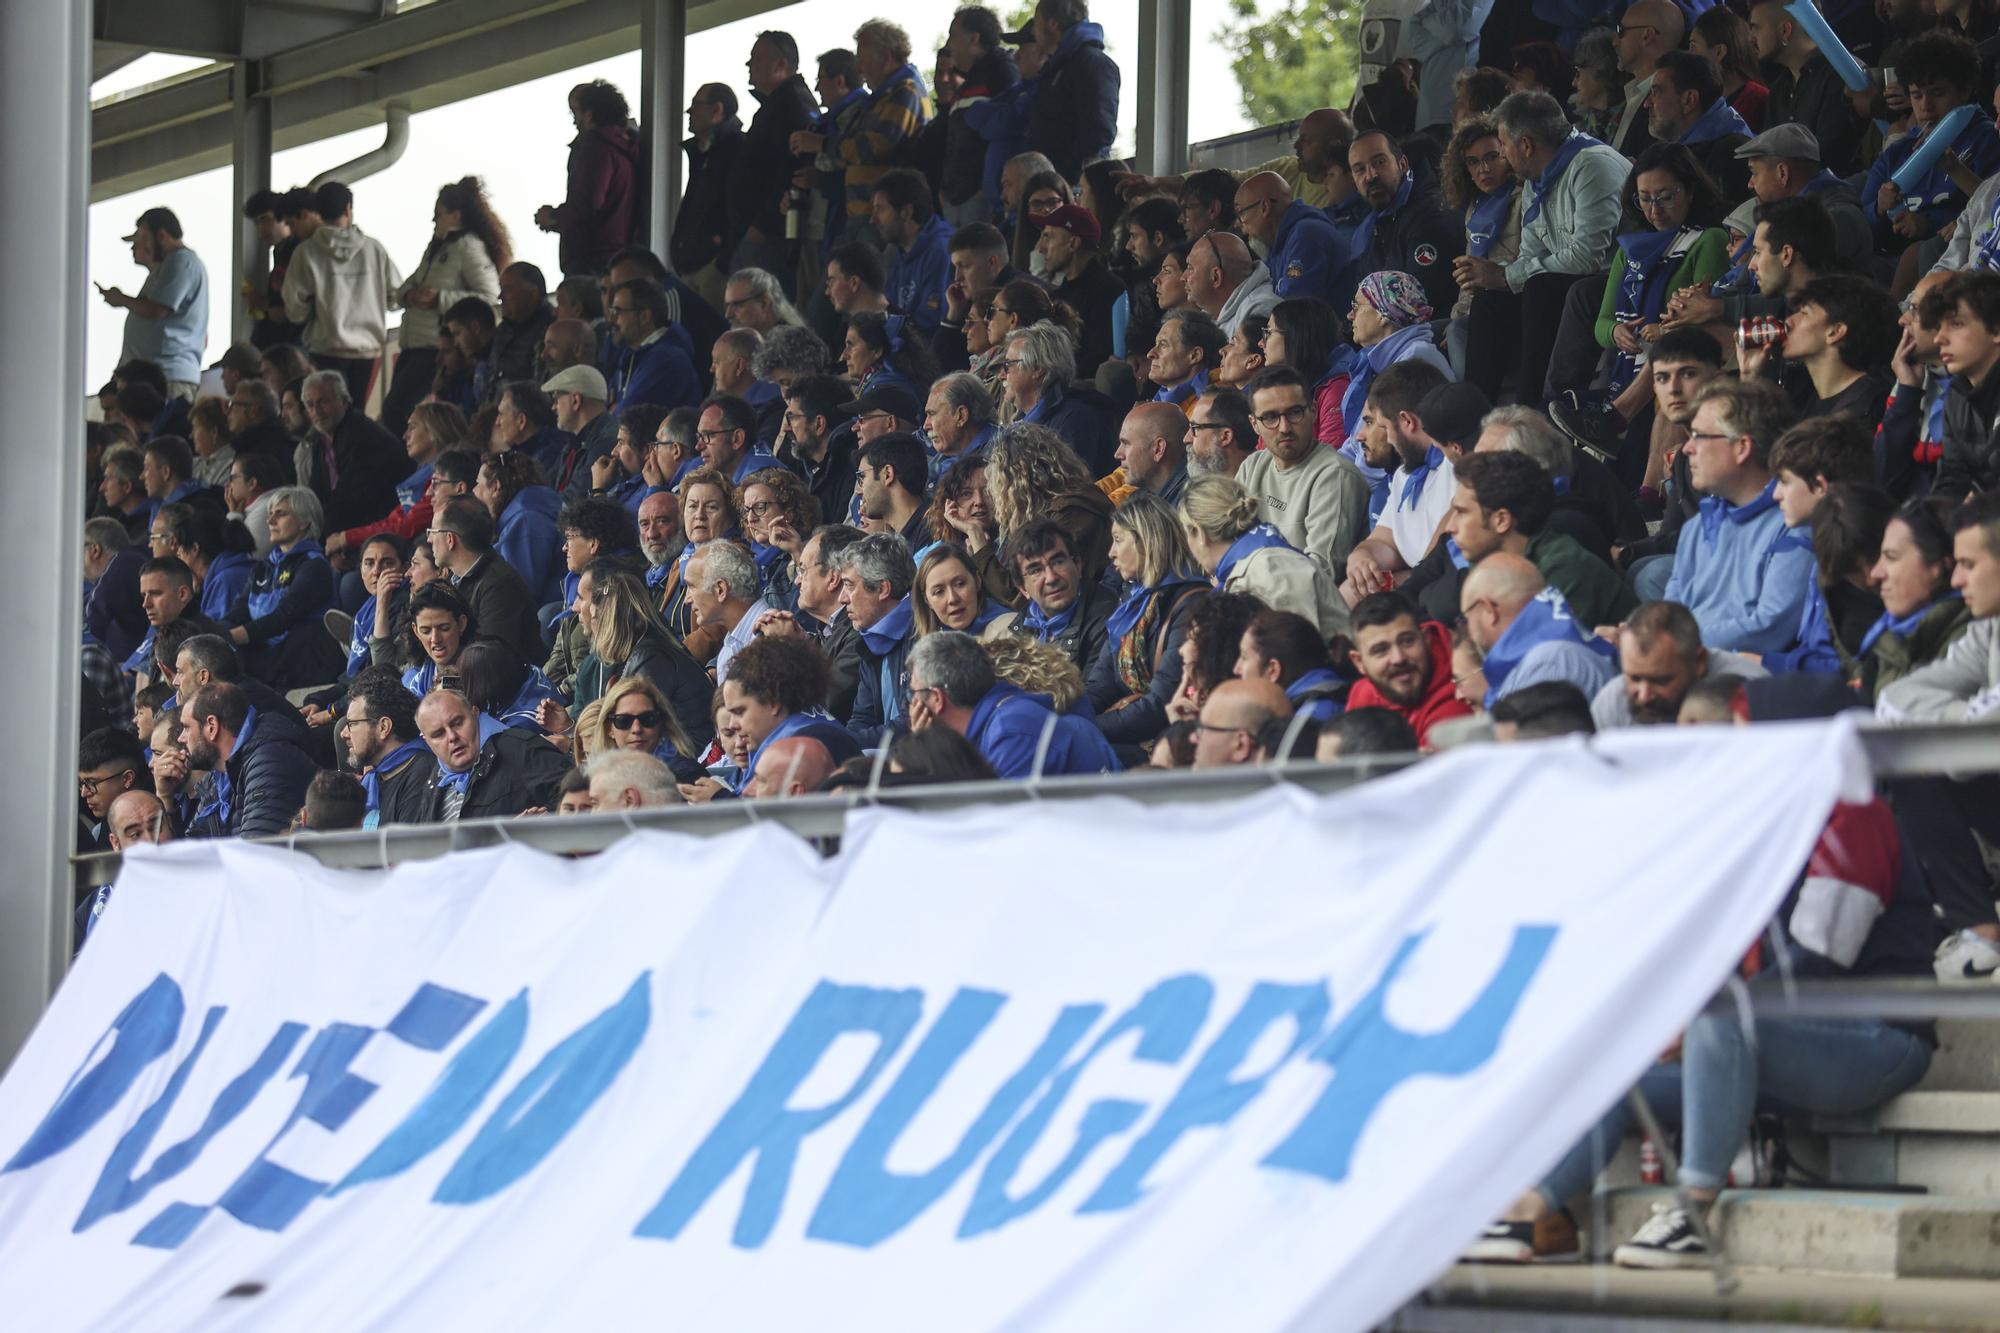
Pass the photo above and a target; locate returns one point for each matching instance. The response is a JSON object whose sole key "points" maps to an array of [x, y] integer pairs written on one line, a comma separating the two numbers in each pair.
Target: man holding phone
{"points": [[167, 322]]}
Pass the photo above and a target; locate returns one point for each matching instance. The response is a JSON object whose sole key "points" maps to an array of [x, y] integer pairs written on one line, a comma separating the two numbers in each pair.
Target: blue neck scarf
{"points": [[1900, 626], [1987, 254], [371, 781], [1192, 387], [1370, 362], [222, 795], [1547, 619], [1133, 606], [1715, 510], [989, 611], [1045, 626], [1719, 120], [1413, 484], [489, 727], [357, 642], [1364, 235], [1553, 173], [1257, 539], [883, 636], [1486, 217], [1651, 259]]}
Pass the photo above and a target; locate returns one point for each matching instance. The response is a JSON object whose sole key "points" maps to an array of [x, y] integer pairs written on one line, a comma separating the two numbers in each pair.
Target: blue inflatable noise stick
{"points": [[1836, 52]]}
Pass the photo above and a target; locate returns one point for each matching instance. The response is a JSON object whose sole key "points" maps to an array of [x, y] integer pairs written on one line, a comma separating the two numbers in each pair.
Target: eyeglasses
{"points": [[621, 310], [1210, 726], [1624, 28], [1002, 310], [1288, 415], [728, 306], [713, 434], [1659, 200], [1694, 435], [1474, 163], [1012, 362], [626, 721], [1207, 425], [759, 508], [89, 786]]}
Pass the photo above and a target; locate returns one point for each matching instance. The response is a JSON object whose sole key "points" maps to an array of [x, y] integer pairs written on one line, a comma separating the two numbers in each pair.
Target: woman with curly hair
{"points": [[1209, 648], [1030, 474], [524, 512], [961, 515], [467, 250], [1479, 183], [779, 515]]}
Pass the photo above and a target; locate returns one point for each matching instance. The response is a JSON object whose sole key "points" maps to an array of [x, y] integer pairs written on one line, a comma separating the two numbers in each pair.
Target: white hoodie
{"points": [[340, 285]]}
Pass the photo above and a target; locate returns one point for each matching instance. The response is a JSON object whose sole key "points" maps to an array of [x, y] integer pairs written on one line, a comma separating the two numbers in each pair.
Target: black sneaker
{"points": [[1668, 1240], [1503, 1243], [1588, 421]]}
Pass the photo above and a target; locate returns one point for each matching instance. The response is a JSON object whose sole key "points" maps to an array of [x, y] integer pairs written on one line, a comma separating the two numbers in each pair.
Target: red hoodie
{"points": [[1438, 703]]}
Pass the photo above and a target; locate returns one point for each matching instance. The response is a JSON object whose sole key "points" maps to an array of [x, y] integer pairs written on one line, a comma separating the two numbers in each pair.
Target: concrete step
{"points": [[1942, 1141], [1578, 1299], [1967, 1059], [1833, 1231]]}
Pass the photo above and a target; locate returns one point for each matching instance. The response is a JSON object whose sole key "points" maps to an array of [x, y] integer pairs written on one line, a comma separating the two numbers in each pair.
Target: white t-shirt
{"points": [[1413, 525]]}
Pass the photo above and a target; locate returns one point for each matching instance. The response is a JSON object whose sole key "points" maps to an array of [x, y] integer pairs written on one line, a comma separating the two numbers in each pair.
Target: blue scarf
{"points": [[1900, 626], [1553, 173], [1720, 119], [461, 782], [989, 611], [1133, 606], [222, 795], [1486, 217], [883, 636], [1364, 235], [1547, 619], [765, 556], [411, 489], [1192, 387], [1987, 255], [1715, 510], [655, 576], [1257, 539], [1046, 627], [371, 781], [1413, 484], [357, 642], [1643, 288]]}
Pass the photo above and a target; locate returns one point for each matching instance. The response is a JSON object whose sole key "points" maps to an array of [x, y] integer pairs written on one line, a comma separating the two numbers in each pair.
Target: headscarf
{"points": [[1396, 297]]}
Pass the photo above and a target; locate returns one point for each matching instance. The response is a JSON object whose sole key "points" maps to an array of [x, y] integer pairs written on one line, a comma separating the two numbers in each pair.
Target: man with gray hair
{"points": [[631, 780], [1572, 203], [734, 359], [952, 684], [788, 354], [754, 299], [875, 578], [1591, 505], [1661, 657], [1041, 362], [1226, 282], [356, 463], [724, 594], [959, 418]]}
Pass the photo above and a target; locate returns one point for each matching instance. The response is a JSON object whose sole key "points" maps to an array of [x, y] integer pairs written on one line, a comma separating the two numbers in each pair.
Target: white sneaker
{"points": [[1967, 957]]}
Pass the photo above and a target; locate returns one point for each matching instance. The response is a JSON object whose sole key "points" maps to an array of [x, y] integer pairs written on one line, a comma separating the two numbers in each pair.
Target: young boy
{"points": [[1968, 346], [1808, 460]]}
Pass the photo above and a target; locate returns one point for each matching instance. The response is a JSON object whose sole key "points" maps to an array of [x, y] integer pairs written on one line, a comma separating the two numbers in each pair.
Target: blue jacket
{"points": [[112, 614], [1007, 727], [281, 609], [660, 373], [261, 785], [1002, 120], [527, 538], [839, 742], [882, 685], [1743, 573], [1324, 707], [520, 714], [1079, 427], [1814, 650], [1306, 254], [227, 575], [1545, 643], [919, 275], [1934, 196]]}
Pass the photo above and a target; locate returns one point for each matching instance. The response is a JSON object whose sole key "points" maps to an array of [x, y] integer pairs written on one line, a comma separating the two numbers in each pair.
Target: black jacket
{"points": [[1075, 114], [1091, 294], [1718, 158], [672, 669], [503, 606], [1084, 637], [1971, 459], [1817, 99], [765, 162], [514, 772], [289, 646], [702, 228], [841, 643], [271, 439], [367, 463], [406, 792], [964, 173], [831, 480], [1141, 720], [1421, 239], [268, 776]]}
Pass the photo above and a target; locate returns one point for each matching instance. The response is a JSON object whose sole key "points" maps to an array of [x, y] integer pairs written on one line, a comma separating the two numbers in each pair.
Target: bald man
{"points": [[1227, 282], [1234, 719], [1306, 252], [566, 343], [136, 817], [1649, 30], [790, 766], [1152, 448], [1525, 629], [1411, 231]]}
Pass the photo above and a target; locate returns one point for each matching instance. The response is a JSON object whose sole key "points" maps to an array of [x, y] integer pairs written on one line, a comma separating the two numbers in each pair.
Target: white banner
{"points": [[1089, 1066]]}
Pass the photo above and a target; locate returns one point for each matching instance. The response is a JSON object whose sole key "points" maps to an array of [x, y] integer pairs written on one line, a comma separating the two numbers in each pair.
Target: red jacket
{"points": [[1438, 703], [598, 215]]}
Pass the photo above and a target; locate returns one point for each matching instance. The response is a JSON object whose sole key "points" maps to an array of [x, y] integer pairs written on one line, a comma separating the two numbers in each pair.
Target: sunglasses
{"points": [[626, 721]]}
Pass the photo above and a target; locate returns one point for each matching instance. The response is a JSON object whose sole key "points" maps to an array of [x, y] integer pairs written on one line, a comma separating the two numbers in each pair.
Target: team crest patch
{"points": [[1426, 255], [1295, 269]]}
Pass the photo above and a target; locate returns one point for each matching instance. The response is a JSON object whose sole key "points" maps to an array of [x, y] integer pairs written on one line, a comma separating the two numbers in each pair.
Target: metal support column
{"points": [[1165, 34], [662, 111], [250, 171], [45, 158]]}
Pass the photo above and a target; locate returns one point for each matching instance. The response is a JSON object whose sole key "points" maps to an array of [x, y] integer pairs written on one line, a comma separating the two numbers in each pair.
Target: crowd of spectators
{"points": [[1644, 373]]}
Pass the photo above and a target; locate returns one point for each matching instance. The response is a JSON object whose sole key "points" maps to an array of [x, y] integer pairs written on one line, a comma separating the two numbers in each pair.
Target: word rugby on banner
{"points": [[1086, 1065]]}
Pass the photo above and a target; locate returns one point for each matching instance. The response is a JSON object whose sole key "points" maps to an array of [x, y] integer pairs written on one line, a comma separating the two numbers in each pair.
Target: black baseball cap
{"points": [[891, 398]]}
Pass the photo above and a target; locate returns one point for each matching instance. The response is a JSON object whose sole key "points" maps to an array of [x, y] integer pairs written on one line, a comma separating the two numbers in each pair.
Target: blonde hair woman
{"points": [[634, 715], [1139, 672], [1037, 667], [1032, 473], [949, 596], [1226, 533]]}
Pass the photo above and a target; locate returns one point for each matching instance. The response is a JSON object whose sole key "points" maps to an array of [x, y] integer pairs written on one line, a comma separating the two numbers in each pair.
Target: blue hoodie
{"points": [[520, 714], [919, 275], [529, 540], [1743, 573], [227, 574], [1545, 643], [1007, 727], [1306, 253]]}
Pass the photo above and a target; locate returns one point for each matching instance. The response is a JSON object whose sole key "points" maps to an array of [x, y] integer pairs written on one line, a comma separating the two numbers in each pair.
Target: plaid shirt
{"points": [[113, 686]]}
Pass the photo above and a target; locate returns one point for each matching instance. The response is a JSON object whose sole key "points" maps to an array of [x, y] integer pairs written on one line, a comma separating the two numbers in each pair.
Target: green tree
{"points": [[1296, 57]]}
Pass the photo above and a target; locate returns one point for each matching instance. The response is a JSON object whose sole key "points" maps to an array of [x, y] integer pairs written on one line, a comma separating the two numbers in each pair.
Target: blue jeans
{"points": [[1795, 1066], [1649, 575]]}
